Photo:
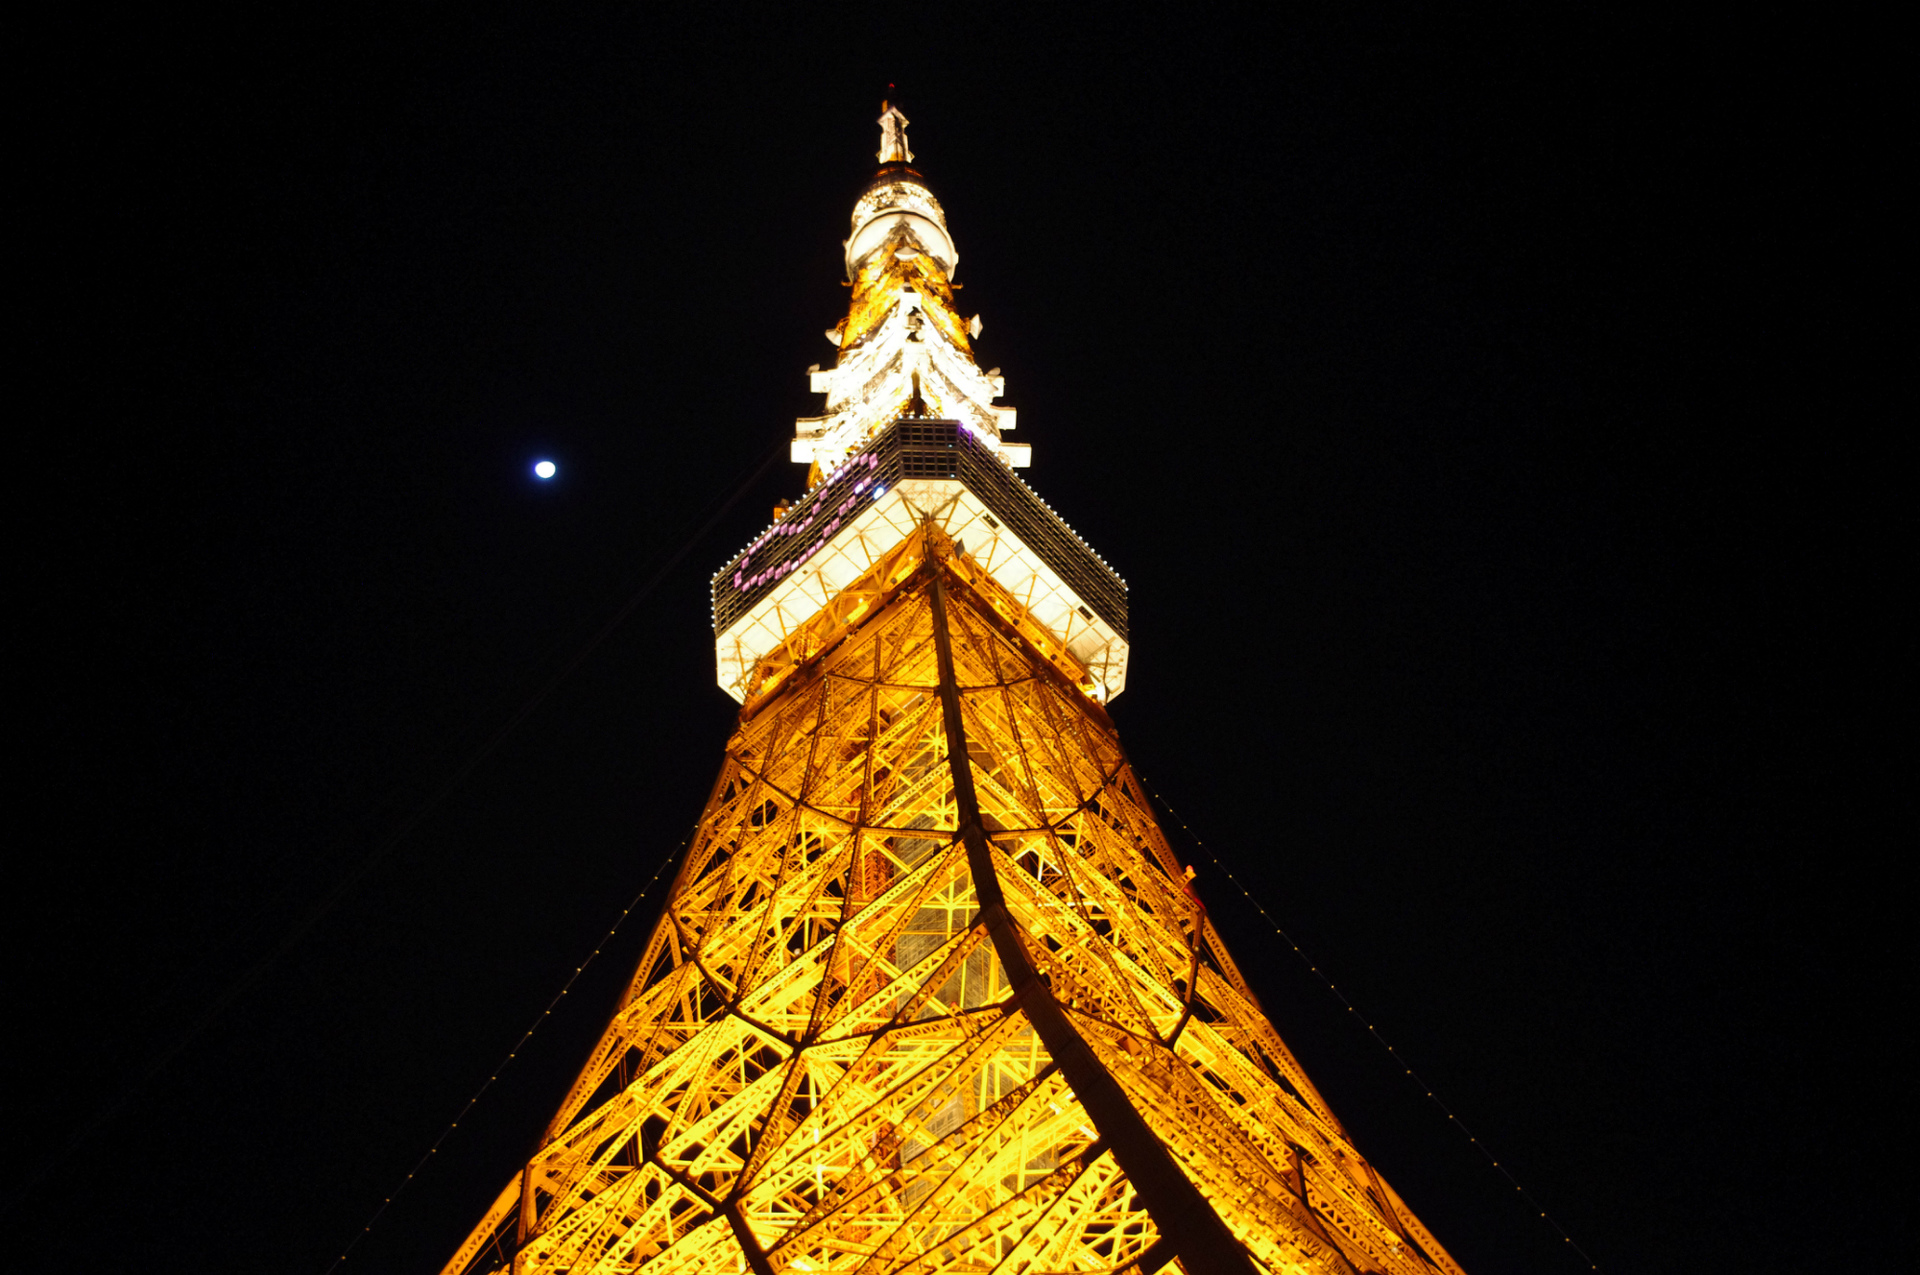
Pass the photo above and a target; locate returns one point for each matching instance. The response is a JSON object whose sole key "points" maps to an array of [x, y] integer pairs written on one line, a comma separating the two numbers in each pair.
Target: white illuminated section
{"points": [[873, 381], [866, 390], [884, 519], [545, 470], [895, 205]]}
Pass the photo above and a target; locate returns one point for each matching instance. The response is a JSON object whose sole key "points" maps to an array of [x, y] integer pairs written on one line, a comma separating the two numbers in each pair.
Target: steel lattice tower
{"points": [[931, 992]]}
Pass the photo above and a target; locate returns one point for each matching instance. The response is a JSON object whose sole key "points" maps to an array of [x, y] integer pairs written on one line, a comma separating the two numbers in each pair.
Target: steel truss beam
{"points": [[931, 994]]}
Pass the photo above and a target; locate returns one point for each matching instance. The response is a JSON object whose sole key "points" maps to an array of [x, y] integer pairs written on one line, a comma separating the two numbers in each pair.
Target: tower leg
{"points": [[1183, 1215]]}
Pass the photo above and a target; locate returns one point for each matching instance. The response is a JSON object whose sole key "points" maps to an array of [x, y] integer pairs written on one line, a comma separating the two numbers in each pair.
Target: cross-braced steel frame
{"points": [[931, 994]]}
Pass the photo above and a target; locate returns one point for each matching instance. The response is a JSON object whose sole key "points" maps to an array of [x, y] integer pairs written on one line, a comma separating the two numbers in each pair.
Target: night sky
{"points": [[1475, 402]]}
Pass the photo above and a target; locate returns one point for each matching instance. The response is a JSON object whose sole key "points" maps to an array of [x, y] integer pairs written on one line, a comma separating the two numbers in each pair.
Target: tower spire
{"points": [[902, 327], [893, 136]]}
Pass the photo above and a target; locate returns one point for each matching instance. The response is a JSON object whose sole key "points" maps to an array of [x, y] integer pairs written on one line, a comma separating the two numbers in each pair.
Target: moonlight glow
{"points": [[544, 469]]}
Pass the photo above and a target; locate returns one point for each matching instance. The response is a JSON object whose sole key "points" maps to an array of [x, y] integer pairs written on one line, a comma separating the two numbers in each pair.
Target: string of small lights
{"points": [[1363, 1020], [297, 932], [513, 1053]]}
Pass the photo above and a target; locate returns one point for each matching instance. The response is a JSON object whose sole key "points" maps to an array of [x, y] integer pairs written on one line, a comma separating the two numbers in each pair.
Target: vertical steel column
{"points": [[1198, 1236]]}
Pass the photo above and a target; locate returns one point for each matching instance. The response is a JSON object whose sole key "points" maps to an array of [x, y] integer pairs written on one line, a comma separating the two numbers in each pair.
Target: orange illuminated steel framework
{"points": [[931, 992]]}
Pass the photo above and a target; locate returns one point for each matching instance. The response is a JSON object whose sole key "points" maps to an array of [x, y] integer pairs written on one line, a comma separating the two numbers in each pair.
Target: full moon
{"points": [[544, 469]]}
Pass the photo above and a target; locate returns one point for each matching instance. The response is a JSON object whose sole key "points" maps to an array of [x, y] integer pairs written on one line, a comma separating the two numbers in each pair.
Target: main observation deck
{"points": [[915, 469]]}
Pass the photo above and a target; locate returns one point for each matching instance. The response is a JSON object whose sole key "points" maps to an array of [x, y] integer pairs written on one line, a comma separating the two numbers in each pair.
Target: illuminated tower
{"points": [[931, 992]]}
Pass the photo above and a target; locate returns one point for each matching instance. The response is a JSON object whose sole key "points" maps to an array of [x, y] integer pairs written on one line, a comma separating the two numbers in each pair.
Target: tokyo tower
{"points": [[931, 992]]}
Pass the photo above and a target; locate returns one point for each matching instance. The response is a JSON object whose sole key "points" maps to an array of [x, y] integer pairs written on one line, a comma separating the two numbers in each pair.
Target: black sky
{"points": [[1475, 401]]}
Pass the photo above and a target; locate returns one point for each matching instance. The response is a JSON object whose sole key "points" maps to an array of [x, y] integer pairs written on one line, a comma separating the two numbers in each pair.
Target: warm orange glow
{"points": [[931, 992], [876, 290], [823, 1062]]}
